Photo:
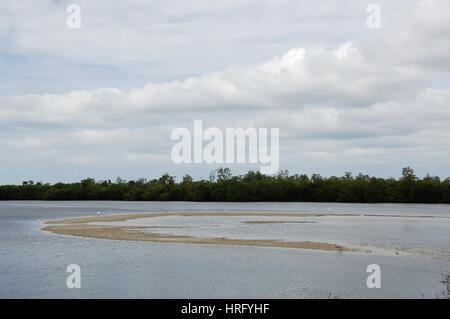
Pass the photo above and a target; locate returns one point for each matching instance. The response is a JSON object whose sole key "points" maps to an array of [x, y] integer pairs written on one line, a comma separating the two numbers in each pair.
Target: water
{"points": [[33, 262]]}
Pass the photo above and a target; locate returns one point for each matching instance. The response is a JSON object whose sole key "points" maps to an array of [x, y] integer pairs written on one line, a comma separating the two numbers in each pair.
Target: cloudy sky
{"points": [[101, 101]]}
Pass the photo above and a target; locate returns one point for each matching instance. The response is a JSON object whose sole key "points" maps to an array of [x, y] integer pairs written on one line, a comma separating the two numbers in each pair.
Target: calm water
{"points": [[33, 262]]}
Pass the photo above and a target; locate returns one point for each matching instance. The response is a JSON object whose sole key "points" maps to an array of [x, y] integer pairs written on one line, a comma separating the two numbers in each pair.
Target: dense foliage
{"points": [[253, 186]]}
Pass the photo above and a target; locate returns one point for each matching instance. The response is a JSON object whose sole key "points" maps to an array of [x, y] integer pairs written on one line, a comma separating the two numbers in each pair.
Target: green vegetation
{"points": [[253, 186]]}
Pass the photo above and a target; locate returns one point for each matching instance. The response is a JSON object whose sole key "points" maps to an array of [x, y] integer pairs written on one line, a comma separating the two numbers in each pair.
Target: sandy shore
{"points": [[118, 218], [84, 227], [263, 222]]}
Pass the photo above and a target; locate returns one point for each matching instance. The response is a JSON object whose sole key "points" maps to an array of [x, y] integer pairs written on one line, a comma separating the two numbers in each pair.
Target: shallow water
{"points": [[33, 262]]}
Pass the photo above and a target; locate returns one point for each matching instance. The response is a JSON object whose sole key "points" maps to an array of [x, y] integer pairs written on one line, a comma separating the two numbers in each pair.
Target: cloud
{"points": [[130, 43], [361, 105], [298, 79], [422, 38]]}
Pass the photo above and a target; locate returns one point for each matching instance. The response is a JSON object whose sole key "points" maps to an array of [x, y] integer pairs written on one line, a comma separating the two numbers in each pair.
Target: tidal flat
{"points": [[140, 230], [252, 255]]}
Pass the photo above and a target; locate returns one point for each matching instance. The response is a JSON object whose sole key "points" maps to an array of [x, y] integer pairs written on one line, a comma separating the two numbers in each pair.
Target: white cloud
{"points": [[360, 105], [298, 79], [422, 38]]}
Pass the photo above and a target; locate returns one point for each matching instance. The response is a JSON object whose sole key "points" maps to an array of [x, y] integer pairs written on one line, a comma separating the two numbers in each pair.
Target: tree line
{"points": [[252, 186]]}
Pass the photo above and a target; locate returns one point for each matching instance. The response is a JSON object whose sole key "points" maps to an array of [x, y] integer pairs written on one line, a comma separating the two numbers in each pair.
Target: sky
{"points": [[102, 100]]}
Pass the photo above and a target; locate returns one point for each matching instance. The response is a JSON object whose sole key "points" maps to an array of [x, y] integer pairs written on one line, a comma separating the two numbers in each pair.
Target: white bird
{"points": [[98, 213]]}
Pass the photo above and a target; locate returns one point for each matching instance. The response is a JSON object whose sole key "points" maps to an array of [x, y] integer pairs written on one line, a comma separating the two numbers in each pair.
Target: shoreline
{"points": [[83, 227], [126, 217]]}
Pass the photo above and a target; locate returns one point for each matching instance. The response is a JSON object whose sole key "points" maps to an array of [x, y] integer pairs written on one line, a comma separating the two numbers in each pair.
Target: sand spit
{"points": [[83, 227], [97, 227], [119, 218], [137, 234], [263, 222]]}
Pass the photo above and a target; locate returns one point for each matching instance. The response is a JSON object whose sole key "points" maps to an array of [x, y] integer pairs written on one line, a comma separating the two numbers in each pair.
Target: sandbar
{"points": [[84, 227]]}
